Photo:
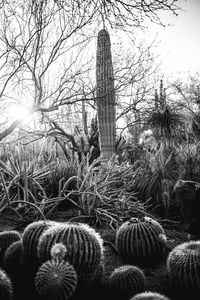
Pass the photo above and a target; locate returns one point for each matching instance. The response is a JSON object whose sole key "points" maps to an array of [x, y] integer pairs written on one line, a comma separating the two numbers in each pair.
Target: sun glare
{"points": [[19, 112]]}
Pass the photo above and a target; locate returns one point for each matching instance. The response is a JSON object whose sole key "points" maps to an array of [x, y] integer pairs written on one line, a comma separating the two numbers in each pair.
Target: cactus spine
{"points": [[56, 280], [183, 265], [105, 96], [127, 281], [6, 291], [149, 296], [84, 247], [140, 240]]}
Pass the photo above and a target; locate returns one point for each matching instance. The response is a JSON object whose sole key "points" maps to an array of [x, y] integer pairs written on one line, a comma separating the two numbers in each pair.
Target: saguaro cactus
{"points": [[105, 96]]}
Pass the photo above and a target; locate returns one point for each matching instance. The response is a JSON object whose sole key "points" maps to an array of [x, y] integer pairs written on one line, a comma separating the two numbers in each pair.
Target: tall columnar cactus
{"points": [[183, 265], [149, 296], [6, 290], [105, 96], [6, 239], [126, 281], [56, 280], [30, 238], [83, 244], [140, 240]]}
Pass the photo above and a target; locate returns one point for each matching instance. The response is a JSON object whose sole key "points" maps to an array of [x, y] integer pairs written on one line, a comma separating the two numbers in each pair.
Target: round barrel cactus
{"points": [[149, 296], [6, 239], [183, 265], [6, 290], [84, 247], [12, 258], [55, 280], [30, 238], [127, 280], [140, 240]]}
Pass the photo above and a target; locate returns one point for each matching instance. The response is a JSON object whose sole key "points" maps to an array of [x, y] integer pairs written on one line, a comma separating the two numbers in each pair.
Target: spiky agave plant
{"points": [[105, 95]]}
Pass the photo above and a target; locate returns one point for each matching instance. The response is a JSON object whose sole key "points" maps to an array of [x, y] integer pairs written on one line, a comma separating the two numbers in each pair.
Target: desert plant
{"points": [[83, 244], [183, 265], [7, 237], [30, 239], [105, 96], [149, 296], [12, 259], [140, 240], [6, 290], [126, 281], [56, 280], [58, 252]]}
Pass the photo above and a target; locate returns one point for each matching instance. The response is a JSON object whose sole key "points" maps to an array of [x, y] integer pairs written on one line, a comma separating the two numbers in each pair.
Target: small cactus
{"points": [[84, 247], [30, 238], [58, 252], [127, 281], [149, 296], [6, 290], [183, 265], [140, 240], [55, 280]]}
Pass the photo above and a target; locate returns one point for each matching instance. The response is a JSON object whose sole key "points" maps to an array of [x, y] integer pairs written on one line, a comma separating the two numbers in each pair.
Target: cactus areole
{"points": [[105, 96]]}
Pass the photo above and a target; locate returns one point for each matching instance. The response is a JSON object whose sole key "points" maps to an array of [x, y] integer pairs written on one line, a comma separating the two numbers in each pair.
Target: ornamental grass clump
{"points": [[140, 241], [126, 281]]}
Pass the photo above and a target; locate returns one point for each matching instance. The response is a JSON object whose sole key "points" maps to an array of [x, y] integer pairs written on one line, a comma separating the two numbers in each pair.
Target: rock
{"points": [[188, 197]]}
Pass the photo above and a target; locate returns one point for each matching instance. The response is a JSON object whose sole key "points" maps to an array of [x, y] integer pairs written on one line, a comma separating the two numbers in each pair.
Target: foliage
{"points": [[188, 160]]}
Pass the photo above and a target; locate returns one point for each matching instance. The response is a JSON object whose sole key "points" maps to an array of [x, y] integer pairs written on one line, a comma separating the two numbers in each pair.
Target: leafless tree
{"points": [[44, 60]]}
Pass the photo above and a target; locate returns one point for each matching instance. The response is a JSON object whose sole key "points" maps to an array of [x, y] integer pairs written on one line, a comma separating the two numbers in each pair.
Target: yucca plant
{"points": [[105, 95]]}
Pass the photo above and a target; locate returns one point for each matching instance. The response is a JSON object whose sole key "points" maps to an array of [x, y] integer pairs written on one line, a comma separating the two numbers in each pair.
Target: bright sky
{"points": [[180, 43]]}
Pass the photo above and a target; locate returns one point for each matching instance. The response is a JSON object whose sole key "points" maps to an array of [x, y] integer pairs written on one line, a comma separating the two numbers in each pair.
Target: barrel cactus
{"points": [[6, 290], [105, 96], [55, 280], [58, 252], [149, 296], [140, 240], [83, 244], [6, 239], [127, 280], [12, 258], [183, 265], [30, 238]]}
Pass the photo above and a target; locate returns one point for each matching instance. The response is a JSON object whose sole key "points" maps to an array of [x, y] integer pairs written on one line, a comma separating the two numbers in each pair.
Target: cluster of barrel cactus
{"points": [[140, 240], [56, 278]]}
